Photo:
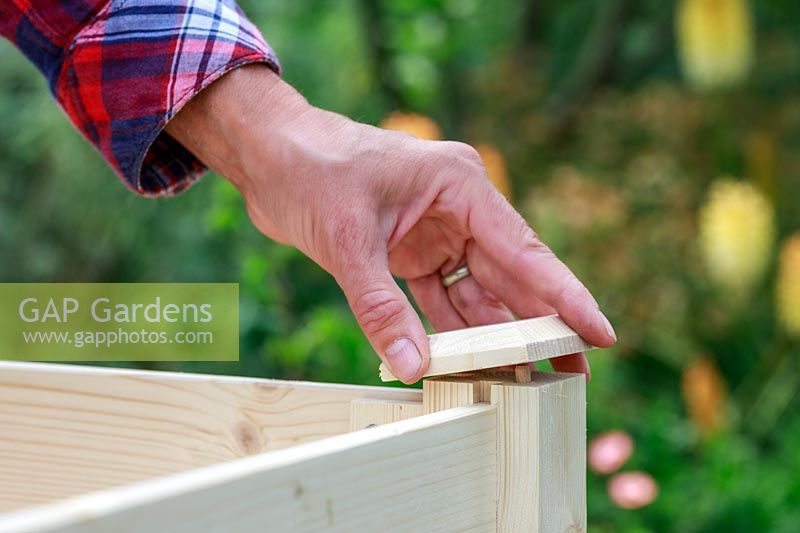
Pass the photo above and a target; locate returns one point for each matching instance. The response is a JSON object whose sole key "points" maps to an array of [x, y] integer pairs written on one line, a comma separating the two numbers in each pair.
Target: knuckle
{"points": [[471, 299], [567, 288], [460, 299], [531, 247], [462, 158], [467, 153], [535, 250], [377, 309], [489, 301], [525, 235]]}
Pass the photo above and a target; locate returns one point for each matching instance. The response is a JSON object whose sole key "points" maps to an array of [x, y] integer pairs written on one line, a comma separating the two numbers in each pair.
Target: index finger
{"points": [[532, 268]]}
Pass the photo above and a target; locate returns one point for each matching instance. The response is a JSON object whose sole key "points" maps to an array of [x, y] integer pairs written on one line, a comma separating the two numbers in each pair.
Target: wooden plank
{"points": [[541, 437], [433, 473], [369, 413], [496, 345], [67, 430]]}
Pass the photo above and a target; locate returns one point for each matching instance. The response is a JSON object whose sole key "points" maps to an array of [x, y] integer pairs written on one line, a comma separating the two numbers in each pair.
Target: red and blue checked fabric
{"points": [[121, 69]]}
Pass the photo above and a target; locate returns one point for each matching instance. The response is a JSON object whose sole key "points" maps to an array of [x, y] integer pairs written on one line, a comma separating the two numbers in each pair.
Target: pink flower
{"points": [[609, 451], [632, 490]]}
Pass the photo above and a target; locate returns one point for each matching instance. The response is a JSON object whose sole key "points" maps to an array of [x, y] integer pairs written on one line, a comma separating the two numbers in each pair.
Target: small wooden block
{"points": [[511, 343], [522, 373]]}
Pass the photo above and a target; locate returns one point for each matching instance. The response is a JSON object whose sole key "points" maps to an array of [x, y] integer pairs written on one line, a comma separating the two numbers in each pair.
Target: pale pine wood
{"points": [[366, 413], [496, 345], [433, 473], [541, 444], [66, 430], [516, 464], [541, 454], [438, 395]]}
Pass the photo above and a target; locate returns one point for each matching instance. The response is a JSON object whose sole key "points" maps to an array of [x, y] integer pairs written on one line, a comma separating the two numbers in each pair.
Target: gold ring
{"points": [[455, 276]]}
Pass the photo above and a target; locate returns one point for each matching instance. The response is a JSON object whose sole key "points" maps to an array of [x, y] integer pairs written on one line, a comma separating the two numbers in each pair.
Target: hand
{"points": [[367, 203]]}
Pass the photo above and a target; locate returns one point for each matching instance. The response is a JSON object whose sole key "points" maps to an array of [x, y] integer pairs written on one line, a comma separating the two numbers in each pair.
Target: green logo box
{"points": [[119, 321]]}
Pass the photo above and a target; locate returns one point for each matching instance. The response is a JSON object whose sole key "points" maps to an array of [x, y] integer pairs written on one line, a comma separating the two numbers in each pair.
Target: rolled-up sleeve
{"points": [[121, 69]]}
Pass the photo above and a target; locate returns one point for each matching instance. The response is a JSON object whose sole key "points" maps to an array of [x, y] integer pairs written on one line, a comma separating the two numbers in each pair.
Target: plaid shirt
{"points": [[121, 69]]}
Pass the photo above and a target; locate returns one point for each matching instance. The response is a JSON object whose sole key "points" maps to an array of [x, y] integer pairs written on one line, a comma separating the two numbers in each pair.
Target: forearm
{"points": [[122, 69], [250, 106]]}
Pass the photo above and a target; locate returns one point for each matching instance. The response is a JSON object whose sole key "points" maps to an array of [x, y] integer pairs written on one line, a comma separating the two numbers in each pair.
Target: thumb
{"points": [[388, 320]]}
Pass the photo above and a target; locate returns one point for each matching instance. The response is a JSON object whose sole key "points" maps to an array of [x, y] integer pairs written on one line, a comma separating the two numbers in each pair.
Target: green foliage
{"points": [[610, 156]]}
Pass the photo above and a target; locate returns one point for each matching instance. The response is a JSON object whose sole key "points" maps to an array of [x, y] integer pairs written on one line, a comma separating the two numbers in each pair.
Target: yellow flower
{"points": [[715, 40], [788, 286], [414, 124], [736, 234], [496, 168], [704, 393]]}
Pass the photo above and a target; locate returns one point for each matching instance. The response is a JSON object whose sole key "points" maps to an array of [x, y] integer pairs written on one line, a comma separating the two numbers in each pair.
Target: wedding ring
{"points": [[455, 276]]}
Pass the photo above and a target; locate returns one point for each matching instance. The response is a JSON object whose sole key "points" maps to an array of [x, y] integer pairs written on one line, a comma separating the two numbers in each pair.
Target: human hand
{"points": [[367, 203]]}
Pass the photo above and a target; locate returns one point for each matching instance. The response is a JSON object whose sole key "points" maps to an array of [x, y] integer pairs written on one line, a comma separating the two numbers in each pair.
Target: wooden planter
{"points": [[87, 449]]}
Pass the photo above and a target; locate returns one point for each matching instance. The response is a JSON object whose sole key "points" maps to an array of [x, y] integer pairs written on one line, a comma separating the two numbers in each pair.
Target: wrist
{"points": [[236, 118]]}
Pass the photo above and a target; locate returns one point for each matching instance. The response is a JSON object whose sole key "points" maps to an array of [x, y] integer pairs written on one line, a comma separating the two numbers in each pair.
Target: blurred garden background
{"points": [[654, 145]]}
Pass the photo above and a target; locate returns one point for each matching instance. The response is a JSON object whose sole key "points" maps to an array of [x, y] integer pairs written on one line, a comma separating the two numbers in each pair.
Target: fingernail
{"points": [[404, 359], [607, 325]]}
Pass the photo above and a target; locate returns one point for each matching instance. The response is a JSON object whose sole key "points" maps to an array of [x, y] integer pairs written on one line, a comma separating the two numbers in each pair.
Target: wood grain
{"points": [[438, 395], [541, 444], [433, 473], [368, 412], [66, 430], [541, 438], [496, 345]]}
